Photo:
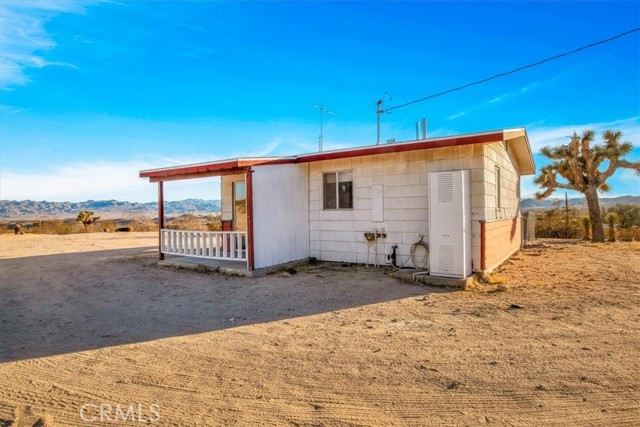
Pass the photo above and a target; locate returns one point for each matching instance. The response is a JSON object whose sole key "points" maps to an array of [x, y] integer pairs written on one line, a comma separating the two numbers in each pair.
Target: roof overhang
{"points": [[518, 141], [397, 147], [515, 139], [208, 169]]}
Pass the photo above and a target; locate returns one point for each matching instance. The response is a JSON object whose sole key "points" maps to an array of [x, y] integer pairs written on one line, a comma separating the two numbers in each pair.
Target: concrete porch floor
{"points": [[230, 267]]}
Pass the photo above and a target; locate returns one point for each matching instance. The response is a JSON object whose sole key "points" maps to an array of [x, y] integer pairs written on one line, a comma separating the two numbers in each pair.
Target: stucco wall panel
{"points": [[503, 238]]}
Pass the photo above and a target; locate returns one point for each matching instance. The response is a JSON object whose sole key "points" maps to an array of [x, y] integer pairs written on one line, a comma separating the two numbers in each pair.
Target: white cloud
{"points": [[24, 39], [78, 181], [553, 136]]}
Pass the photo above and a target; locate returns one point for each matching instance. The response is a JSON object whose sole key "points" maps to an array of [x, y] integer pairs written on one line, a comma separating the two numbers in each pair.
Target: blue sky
{"points": [[93, 91]]}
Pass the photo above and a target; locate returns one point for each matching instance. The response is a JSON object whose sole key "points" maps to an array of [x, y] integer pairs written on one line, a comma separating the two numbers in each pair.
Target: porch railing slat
{"points": [[229, 245]]}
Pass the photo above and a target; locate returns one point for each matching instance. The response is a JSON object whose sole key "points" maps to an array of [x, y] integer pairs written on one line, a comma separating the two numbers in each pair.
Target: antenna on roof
{"points": [[380, 110], [322, 111]]}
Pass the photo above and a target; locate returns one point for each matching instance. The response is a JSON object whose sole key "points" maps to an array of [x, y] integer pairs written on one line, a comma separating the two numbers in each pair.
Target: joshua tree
{"points": [[579, 164], [87, 218]]}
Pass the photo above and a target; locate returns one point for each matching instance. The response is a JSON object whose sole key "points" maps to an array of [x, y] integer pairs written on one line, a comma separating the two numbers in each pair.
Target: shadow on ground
{"points": [[66, 303]]}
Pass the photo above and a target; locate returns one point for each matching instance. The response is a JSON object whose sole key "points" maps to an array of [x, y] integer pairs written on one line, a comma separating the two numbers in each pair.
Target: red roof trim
{"points": [[400, 147], [223, 167], [240, 165], [194, 169]]}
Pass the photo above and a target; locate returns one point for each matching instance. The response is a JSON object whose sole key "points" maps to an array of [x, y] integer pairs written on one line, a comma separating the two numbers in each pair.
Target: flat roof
{"points": [[516, 138]]}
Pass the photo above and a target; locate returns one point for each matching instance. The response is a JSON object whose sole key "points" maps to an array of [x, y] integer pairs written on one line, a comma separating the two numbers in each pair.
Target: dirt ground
{"points": [[90, 319]]}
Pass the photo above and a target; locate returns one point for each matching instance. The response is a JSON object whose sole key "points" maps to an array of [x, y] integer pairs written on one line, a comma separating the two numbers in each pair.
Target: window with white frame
{"points": [[337, 189]]}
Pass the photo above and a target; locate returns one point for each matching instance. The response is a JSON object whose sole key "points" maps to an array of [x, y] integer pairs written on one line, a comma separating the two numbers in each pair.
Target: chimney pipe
{"points": [[424, 128]]}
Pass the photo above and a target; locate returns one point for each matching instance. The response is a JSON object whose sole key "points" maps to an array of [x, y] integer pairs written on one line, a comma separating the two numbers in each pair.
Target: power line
{"points": [[515, 70]]}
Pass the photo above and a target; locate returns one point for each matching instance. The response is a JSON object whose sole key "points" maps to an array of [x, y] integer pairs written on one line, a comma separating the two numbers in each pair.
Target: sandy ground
{"points": [[91, 319]]}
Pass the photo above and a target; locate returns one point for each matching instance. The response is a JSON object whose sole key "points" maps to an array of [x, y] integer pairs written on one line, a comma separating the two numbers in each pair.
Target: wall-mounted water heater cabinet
{"points": [[450, 224]]}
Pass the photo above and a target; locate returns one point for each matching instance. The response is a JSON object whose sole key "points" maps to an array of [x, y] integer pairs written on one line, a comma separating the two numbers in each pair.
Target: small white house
{"points": [[459, 195]]}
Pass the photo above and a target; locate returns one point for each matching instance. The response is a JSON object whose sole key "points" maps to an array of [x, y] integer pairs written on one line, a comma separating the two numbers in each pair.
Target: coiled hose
{"points": [[418, 264]]}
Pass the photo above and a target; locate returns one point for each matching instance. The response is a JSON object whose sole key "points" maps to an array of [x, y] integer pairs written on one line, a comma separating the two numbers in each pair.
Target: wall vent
{"points": [[445, 187]]}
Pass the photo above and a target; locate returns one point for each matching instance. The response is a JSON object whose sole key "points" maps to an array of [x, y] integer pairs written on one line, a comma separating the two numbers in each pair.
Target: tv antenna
{"points": [[322, 110], [379, 110]]}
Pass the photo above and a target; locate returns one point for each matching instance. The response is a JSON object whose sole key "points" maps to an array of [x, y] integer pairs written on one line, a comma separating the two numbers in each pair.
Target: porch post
{"points": [[160, 218], [249, 201], [483, 246]]}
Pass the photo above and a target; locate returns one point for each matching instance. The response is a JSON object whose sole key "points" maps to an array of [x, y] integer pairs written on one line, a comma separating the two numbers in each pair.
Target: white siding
{"points": [[497, 155], [338, 235], [280, 214]]}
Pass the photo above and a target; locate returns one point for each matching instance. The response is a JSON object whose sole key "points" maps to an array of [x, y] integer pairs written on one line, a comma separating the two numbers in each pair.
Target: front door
{"points": [[239, 206]]}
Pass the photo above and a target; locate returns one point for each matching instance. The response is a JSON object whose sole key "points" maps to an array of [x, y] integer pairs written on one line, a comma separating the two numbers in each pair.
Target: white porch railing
{"points": [[229, 245]]}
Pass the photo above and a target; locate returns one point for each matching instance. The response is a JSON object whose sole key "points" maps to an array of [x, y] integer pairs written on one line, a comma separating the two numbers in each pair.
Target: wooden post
{"points": [[249, 201], [160, 218]]}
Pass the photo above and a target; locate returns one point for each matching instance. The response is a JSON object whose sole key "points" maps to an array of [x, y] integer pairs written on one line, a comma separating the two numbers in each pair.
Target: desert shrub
{"points": [[107, 225], [553, 223], [6, 228], [631, 234], [628, 215], [612, 220], [143, 223], [213, 222], [586, 228], [187, 222], [55, 226]]}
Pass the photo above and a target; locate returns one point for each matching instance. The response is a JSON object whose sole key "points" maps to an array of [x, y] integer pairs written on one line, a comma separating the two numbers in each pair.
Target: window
{"points": [[498, 189], [337, 189]]}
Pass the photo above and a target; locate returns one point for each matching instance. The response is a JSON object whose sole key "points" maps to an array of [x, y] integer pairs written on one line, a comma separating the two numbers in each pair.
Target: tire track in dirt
{"points": [[414, 360]]}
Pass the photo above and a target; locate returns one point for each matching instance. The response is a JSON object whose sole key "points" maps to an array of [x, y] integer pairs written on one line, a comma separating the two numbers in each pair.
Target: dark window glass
{"points": [[345, 190], [337, 190]]}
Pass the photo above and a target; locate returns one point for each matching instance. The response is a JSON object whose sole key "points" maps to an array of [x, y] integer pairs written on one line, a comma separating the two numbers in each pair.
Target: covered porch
{"points": [[230, 248]]}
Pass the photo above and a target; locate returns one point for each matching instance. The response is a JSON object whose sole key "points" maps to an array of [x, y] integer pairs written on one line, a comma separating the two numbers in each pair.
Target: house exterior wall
{"points": [[280, 214], [338, 235], [503, 233], [503, 238], [226, 195]]}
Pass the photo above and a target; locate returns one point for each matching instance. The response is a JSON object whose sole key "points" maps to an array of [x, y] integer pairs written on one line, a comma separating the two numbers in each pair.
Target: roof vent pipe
{"points": [[421, 125]]}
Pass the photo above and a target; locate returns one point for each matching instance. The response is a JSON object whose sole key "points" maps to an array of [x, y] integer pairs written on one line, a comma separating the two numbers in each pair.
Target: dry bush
{"points": [[631, 234], [214, 222], [143, 223], [586, 226], [6, 228], [55, 226], [107, 225], [553, 223], [187, 222]]}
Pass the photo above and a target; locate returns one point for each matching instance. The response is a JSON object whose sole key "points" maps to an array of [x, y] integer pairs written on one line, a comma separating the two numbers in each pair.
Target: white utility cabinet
{"points": [[450, 224]]}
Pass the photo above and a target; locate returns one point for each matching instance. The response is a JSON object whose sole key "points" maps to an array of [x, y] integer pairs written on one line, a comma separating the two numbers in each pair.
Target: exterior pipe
{"points": [[249, 201], [483, 245], [160, 218]]}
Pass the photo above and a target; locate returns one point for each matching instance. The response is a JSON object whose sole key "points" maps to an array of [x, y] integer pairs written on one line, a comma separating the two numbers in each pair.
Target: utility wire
{"points": [[515, 70]]}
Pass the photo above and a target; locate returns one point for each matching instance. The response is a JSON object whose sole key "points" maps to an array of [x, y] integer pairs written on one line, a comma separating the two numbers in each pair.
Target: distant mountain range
{"points": [[29, 209], [528, 204]]}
